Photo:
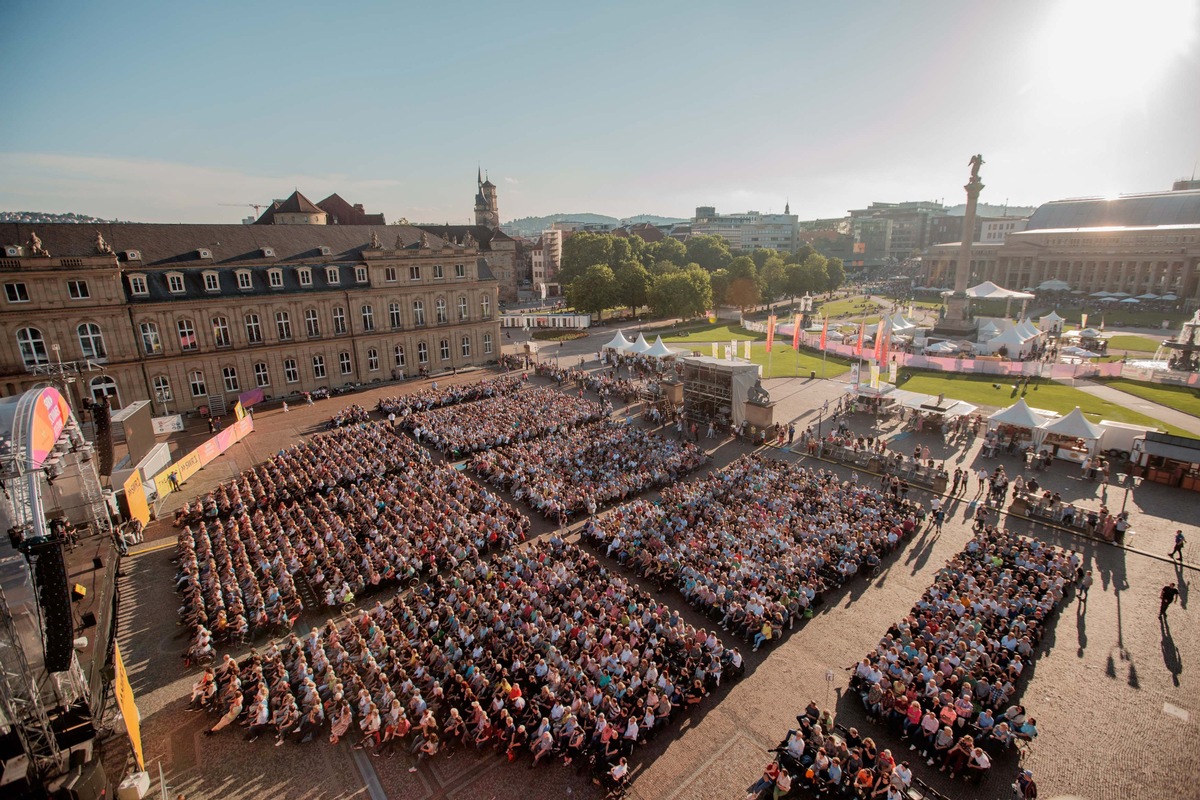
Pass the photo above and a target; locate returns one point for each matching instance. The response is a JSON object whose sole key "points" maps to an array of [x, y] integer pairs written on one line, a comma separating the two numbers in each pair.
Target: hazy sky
{"points": [[160, 112]]}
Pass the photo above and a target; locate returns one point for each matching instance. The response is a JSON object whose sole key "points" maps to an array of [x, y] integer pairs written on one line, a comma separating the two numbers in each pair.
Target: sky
{"points": [[166, 112]]}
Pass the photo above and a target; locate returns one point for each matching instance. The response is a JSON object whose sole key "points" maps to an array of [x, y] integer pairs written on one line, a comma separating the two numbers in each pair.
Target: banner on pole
{"points": [[733, 349], [714, 350], [728, 353], [855, 373], [862, 332], [770, 332], [892, 371], [824, 332], [746, 350], [874, 376], [796, 333], [1083, 321]]}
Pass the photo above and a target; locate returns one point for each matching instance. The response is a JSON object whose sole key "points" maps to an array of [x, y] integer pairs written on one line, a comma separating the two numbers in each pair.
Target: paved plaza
{"points": [[1115, 694]]}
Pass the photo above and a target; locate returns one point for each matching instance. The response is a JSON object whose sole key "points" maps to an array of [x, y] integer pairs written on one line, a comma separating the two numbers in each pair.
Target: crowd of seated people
{"points": [[471, 427], [540, 654], [434, 397], [605, 384], [820, 758], [346, 540], [947, 674], [352, 414], [757, 543], [313, 465], [578, 470]]}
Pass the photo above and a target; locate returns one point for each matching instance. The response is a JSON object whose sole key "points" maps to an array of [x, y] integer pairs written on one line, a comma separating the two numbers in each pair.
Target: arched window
{"points": [[422, 353], [162, 388], [394, 315], [150, 341], [196, 380], [368, 317], [32, 347], [399, 354], [441, 310], [103, 387], [372, 360], [220, 328], [187, 335], [444, 349], [466, 346], [418, 312], [344, 363], [283, 325], [462, 308], [485, 306], [91, 341]]}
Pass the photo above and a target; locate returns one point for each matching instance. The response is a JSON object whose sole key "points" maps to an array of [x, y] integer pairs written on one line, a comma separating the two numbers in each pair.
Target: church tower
{"points": [[487, 209]]}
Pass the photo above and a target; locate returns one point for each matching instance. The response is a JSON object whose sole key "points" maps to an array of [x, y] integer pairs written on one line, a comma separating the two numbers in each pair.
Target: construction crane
{"points": [[255, 206]]}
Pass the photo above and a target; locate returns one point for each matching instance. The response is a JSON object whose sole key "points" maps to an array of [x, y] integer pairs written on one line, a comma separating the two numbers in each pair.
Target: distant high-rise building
{"points": [[909, 231]]}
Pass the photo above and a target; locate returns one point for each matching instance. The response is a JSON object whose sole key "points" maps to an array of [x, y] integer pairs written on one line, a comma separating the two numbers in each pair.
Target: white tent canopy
{"points": [[1021, 415], [899, 323], [660, 350], [1025, 328], [1011, 339], [1054, 286], [639, 347], [1076, 426], [941, 348], [618, 342], [1050, 319], [990, 291]]}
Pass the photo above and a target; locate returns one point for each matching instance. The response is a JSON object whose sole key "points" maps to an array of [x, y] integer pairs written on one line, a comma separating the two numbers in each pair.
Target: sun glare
{"points": [[1113, 48]]}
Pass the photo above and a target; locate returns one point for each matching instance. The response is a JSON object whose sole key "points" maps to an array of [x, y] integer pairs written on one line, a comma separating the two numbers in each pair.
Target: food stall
{"points": [[1166, 459], [1019, 421], [1071, 438]]}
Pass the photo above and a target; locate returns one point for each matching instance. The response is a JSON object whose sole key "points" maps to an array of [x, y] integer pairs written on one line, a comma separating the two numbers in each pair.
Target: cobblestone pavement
{"points": [[1115, 695]]}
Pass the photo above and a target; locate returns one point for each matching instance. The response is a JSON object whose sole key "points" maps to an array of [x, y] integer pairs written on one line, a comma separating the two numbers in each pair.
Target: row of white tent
{"points": [[1042, 423], [640, 347]]}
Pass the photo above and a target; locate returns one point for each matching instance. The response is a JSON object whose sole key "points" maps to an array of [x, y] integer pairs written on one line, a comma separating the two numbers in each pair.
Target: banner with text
{"points": [[196, 460], [127, 705]]}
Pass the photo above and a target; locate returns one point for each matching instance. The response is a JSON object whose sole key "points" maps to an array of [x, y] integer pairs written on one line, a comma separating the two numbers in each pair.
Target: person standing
{"points": [[1167, 596], [1085, 583], [1179, 542]]}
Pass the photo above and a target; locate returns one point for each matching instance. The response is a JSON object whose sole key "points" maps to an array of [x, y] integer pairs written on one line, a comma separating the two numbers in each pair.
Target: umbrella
{"points": [[1078, 352], [1077, 291], [1054, 286], [1120, 294], [1099, 294], [1148, 296], [1168, 296], [1131, 300], [1109, 299]]}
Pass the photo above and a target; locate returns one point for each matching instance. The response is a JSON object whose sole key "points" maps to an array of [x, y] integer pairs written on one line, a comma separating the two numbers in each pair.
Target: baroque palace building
{"points": [[1137, 244], [191, 316]]}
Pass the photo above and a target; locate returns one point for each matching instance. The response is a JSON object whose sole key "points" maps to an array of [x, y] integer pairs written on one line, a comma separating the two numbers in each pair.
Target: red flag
{"points": [[824, 332], [887, 344], [862, 331], [770, 332], [879, 342], [796, 333]]}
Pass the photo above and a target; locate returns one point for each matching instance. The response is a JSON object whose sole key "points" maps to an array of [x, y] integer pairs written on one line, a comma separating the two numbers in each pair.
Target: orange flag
{"points": [[824, 332], [862, 331], [796, 333], [770, 332]]}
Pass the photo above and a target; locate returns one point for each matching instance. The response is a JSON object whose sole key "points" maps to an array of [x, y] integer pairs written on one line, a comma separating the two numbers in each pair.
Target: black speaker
{"points": [[55, 600], [89, 782], [97, 563], [87, 620]]}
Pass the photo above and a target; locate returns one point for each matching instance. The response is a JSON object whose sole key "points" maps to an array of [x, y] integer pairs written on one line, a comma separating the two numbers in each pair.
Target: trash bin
{"points": [[812, 373]]}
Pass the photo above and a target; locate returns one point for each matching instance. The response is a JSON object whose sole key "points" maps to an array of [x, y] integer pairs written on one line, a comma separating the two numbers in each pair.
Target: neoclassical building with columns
{"points": [[190, 316], [1137, 244]]}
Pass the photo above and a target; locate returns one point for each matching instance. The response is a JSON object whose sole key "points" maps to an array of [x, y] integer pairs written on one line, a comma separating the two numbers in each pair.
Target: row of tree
{"points": [[681, 279]]}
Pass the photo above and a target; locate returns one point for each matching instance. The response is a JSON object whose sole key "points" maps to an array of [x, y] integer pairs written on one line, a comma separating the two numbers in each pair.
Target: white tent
{"points": [[1021, 415], [1025, 327], [1051, 320], [639, 347], [1075, 426], [899, 323], [989, 330], [660, 350], [1092, 333], [618, 342], [1054, 286], [941, 348], [1011, 339], [990, 291]]}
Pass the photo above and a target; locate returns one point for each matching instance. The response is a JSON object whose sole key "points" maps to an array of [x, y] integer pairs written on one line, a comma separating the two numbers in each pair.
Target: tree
{"points": [[774, 277], [582, 250], [594, 290], [633, 285], [798, 257], [710, 252], [720, 285], [667, 250], [683, 293], [744, 289], [761, 254], [836, 273]]}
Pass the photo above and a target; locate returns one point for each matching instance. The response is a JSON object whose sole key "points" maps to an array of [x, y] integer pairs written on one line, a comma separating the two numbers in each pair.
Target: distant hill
{"points": [[532, 226], [44, 217]]}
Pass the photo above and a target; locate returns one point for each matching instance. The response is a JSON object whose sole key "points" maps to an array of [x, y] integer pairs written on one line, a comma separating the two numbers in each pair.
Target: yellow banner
{"points": [[129, 710], [874, 376], [746, 350], [714, 348], [135, 497], [238, 410], [196, 460]]}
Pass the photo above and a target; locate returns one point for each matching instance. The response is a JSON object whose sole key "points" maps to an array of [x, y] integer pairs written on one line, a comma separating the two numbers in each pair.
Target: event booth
{"points": [[1020, 423], [1072, 438], [1169, 460], [618, 343]]}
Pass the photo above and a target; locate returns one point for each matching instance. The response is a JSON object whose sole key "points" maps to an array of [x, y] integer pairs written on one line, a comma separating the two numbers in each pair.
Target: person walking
{"points": [[1179, 542], [1085, 583], [1167, 596]]}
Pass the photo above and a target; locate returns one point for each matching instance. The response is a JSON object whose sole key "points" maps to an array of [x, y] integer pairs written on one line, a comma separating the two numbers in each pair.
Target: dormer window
{"points": [[133, 255], [212, 283], [333, 275], [138, 286], [175, 282], [460, 270], [244, 280], [268, 252], [204, 252], [305, 276], [325, 251], [360, 274], [275, 278]]}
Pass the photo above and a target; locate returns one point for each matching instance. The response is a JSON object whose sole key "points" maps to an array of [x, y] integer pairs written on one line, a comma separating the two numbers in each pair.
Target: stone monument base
{"points": [[760, 415]]}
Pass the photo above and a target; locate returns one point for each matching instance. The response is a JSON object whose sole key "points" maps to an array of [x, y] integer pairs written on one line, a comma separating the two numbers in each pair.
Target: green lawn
{"points": [[851, 306], [717, 332], [1124, 317], [1052, 396], [1134, 343], [783, 362], [1180, 398]]}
